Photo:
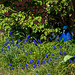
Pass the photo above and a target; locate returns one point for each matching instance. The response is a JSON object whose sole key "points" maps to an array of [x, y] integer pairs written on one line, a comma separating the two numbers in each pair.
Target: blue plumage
{"points": [[66, 35]]}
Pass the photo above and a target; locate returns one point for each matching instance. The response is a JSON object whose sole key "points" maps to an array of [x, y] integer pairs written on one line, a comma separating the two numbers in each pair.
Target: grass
{"points": [[51, 49]]}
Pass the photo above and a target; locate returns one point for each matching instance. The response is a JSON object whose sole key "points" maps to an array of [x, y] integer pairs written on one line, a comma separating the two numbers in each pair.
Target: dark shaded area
{"points": [[7, 3]]}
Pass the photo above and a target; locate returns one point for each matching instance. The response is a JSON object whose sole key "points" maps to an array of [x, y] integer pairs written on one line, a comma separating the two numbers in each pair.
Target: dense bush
{"points": [[33, 20], [25, 52]]}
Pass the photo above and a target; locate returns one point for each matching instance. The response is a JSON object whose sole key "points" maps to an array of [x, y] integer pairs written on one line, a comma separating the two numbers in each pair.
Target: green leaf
{"points": [[40, 2], [56, 30], [31, 23], [16, 19], [67, 57], [44, 37], [39, 20], [45, 33]]}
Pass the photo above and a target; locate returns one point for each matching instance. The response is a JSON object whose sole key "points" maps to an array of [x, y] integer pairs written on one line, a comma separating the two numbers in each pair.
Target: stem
{"points": [[65, 68]]}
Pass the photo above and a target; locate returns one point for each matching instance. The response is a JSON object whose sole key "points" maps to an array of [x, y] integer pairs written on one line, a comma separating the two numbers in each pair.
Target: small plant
{"points": [[35, 57]]}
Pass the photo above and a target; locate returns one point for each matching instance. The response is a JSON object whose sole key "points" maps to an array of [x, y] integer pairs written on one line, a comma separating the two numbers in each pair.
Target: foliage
{"points": [[35, 19], [67, 57], [23, 18], [15, 56]]}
